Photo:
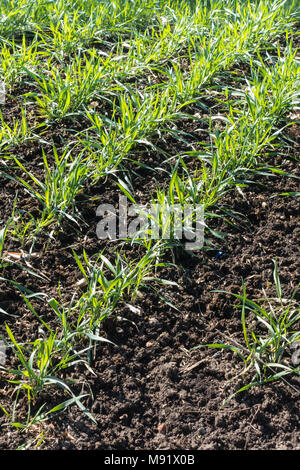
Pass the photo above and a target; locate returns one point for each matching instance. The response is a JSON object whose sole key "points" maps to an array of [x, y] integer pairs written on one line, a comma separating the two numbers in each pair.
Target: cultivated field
{"points": [[114, 336]]}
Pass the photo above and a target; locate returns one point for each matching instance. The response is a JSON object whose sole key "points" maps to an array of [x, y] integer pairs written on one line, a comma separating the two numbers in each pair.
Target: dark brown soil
{"points": [[151, 391]]}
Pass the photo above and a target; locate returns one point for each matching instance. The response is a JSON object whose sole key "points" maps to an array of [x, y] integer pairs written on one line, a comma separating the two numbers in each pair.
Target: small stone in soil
{"points": [[162, 428]]}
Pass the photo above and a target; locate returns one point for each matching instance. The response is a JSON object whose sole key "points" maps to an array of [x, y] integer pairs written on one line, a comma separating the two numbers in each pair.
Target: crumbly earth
{"points": [[151, 390]]}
